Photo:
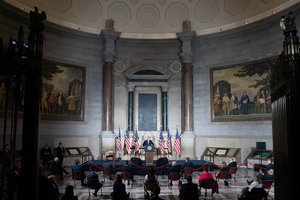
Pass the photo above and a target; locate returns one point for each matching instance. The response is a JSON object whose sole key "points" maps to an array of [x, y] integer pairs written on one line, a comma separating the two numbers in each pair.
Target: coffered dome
{"points": [[155, 18]]}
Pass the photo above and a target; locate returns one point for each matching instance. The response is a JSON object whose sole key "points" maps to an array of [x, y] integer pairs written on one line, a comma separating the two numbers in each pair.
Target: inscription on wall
{"points": [[147, 112]]}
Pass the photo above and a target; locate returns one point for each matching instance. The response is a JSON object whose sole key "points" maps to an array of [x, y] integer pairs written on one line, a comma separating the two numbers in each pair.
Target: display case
{"points": [[218, 155], [259, 157]]}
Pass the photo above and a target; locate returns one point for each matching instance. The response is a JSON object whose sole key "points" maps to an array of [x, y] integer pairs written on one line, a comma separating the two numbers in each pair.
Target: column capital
{"points": [[109, 38], [186, 39]]}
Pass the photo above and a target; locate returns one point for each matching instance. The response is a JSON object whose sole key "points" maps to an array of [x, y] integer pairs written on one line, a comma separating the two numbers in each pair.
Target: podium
{"points": [[149, 152]]}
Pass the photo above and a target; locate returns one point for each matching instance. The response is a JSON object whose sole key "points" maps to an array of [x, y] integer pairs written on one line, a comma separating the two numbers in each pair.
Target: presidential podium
{"points": [[149, 152]]}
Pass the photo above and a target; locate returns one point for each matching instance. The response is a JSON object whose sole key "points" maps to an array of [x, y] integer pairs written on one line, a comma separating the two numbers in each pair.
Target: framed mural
{"points": [[242, 92], [62, 96]]}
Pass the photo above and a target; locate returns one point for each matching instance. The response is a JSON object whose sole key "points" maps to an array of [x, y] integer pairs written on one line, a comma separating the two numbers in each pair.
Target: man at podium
{"points": [[149, 149], [148, 142]]}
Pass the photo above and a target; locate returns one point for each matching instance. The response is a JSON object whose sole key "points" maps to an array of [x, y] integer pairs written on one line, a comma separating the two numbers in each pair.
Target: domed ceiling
{"points": [[154, 18]]}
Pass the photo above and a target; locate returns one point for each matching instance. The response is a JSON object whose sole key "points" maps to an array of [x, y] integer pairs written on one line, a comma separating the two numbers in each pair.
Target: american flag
{"points": [[161, 143], [127, 141], [169, 142], [119, 145], [136, 141], [177, 143]]}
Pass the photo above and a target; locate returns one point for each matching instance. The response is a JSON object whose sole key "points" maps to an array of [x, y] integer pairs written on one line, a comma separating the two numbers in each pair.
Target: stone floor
{"points": [[137, 191]]}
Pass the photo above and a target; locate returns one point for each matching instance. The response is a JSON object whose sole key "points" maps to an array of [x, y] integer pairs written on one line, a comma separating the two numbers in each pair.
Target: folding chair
{"points": [[207, 184], [188, 171], [93, 184], [232, 171], [173, 176], [127, 176], [77, 176], [267, 185]]}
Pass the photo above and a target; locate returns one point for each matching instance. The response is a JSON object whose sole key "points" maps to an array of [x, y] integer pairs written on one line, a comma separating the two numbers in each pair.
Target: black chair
{"points": [[93, 184], [232, 171], [77, 176], [150, 186], [173, 176]]}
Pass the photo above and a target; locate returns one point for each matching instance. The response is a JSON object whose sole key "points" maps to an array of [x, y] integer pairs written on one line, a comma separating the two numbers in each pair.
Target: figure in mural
{"points": [[234, 104], [244, 102], [226, 104], [217, 102]]}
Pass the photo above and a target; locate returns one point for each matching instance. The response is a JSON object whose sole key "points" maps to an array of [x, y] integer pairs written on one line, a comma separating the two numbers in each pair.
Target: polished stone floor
{"points": [[137, 191]]}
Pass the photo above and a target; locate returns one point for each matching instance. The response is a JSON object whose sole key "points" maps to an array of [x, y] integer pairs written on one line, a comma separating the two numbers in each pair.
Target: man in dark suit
{"points": [[189, 190], [148, 142], [60, 153], [174, 168]]}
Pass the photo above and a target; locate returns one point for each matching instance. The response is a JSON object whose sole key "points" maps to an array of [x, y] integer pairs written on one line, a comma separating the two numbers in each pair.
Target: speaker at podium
{"points": [[149, 150], [149, 153]]}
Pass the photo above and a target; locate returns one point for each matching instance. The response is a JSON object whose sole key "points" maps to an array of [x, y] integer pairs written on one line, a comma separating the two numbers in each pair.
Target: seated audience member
{"points": [[150, 182], [93, 177], [188, 190], [77, 168], [232, 163], [269, 176], [255, 193], [53, 190], [57, 169], [128, 168], [69, 193], [256, 183], [119, 188], [187, 163], [205, 175], [269, 166], [174, 168], [150, 175], [225, 168], [155, 194], [43, 184]]}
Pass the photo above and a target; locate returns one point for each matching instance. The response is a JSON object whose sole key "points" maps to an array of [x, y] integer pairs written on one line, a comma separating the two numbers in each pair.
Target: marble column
{"points": [[188, 137], [130, 109], [164, 109], [186, 39], [107, 138]]}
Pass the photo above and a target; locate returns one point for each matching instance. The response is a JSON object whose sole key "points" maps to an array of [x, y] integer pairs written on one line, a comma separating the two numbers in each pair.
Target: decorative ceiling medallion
{"points": [[119, 66], [236, 7], [120, 13], [176, 67], [176, 13], [206, 10], [89, 10], [60, 6], [147, 15]]}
